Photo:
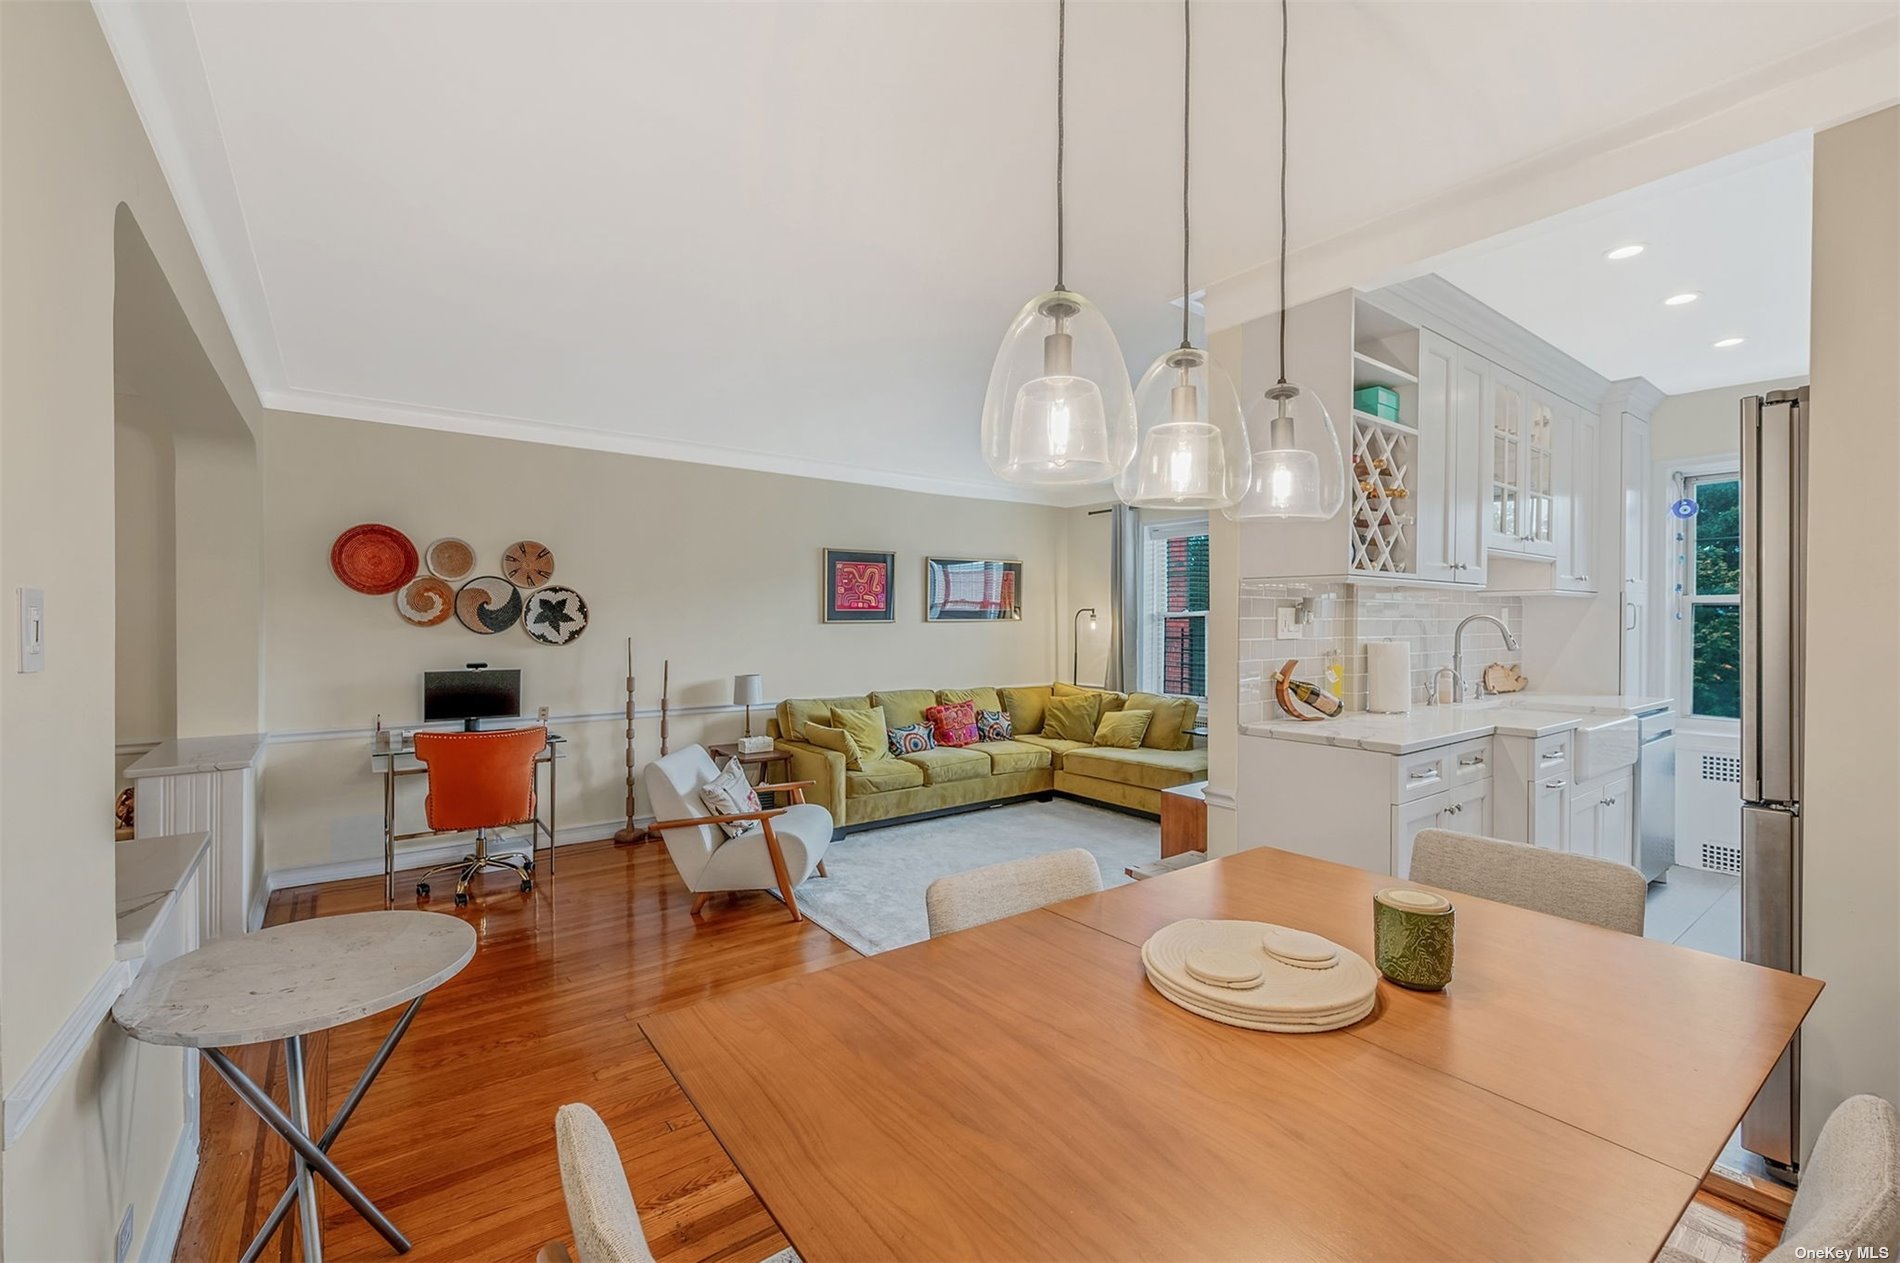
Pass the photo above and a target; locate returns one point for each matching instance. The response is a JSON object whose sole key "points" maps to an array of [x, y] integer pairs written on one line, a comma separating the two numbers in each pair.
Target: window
{"points": [[1174, 608], [1711, 572]]}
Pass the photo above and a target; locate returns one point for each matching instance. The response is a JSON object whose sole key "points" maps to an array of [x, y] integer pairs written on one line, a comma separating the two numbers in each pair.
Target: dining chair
{"points": [[600, 1209], [1850, 1189], [788, 846], [1575, 887], [480, 781], [963, 901]]}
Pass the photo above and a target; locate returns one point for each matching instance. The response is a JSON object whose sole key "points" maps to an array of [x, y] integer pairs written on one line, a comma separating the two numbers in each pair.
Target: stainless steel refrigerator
{"points": [[1774, 602]]}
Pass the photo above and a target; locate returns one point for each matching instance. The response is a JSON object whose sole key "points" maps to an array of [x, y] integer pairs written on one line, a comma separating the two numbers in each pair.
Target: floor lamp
{"points": [[1075, 642]]}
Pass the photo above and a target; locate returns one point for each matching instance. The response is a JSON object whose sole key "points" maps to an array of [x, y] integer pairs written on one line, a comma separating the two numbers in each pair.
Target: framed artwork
{"points": [[858, 586], [957, 590]]}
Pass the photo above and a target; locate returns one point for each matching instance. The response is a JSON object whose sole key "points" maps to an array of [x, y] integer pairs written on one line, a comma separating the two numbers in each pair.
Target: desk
{"points": [[1563, 1098], [398, 759]]}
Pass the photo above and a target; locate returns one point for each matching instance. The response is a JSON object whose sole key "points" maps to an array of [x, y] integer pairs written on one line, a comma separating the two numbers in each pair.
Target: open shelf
{"points": [[1368, 371], [1381, 513], [1368, 419]]}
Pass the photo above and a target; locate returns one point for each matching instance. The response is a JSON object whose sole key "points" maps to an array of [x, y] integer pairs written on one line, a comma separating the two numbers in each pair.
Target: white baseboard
{"points": [[419, 857], [260, 903], [63, 1051], [167, 1215]]}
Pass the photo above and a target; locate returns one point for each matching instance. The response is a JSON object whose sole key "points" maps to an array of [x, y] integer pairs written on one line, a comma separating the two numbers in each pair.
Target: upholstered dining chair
{"points": [[963, 901], [600, 1207], [787, 847], [1575, 887], [1850, 1189], [480, 781]]}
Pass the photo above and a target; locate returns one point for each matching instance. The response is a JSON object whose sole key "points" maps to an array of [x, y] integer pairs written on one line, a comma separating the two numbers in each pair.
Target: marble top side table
{"points": [[285, 983]]}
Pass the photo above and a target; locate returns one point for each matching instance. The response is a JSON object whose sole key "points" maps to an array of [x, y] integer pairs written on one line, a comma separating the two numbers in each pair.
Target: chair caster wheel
{"points": [[526, 885], [422, 890], [461, 901], [529, 866]]}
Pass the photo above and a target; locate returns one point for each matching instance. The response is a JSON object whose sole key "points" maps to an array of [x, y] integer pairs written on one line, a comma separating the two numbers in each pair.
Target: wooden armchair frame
{"points": [[797, 790]]}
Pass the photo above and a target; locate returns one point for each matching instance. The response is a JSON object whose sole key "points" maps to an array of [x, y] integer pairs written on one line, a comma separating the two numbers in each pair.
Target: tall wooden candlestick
{"points": [[629, 833]]}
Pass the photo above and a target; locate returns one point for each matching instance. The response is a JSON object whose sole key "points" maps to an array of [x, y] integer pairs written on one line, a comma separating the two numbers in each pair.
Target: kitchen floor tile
{"points": [[1719, 930], [1677, 904]]}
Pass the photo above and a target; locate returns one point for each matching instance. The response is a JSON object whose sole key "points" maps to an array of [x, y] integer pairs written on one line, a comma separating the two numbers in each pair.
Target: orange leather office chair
{"points": [[480, 781]]}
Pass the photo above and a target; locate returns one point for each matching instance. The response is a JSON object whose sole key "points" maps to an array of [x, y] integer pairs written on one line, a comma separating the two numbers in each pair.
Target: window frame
{"points": [[1152, 648], [1688, 599]]}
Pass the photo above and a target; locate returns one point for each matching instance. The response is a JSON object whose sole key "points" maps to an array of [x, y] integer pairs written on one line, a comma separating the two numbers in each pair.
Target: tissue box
{"points": [[754, 745]]}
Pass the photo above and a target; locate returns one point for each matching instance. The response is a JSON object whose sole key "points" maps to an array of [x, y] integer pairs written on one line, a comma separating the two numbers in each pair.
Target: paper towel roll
{"points": [[1389, 676]]}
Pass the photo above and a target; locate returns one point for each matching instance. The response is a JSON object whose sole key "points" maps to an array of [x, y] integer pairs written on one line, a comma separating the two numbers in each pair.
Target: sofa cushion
{"points": [[1025, 706], [904, 707], [994, 725], [826, 737], [793, 713], [1151, 769], [943, 765], [953, 724], [1123, 729], [869, 733], [985, 698], [882, 777], [911, 738], [1058, 748], [1111, 701], [1173, 716], [1014, 756], [1073, 718]]}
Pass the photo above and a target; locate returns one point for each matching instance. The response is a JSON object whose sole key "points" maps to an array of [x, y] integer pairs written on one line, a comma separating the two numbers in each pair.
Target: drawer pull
{"points": [[1472, 760], [1557, 784], [1424, 774]]}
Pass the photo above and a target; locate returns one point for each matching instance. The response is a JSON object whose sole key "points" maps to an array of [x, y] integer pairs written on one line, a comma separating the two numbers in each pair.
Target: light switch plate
{"points": [[1290, 627], [32, 629]]}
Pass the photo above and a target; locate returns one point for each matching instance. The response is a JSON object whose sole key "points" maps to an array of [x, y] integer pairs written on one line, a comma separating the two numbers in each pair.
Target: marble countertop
{"points": [[294, 979], [1427, 727], [199, 754], [147, 877]]}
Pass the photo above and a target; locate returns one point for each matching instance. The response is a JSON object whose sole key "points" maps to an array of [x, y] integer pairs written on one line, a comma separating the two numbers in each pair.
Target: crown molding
{"points": [[1437, 304], [1634, 395], [324, 404]]}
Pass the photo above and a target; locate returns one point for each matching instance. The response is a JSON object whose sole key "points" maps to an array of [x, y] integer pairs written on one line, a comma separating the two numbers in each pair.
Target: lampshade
{"points": [[1193, 450], [1058, 410], [1299, 472], [747, 690]]}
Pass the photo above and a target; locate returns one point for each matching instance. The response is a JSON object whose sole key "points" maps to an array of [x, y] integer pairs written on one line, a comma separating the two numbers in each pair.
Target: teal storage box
{"points": [[1380, 401]]}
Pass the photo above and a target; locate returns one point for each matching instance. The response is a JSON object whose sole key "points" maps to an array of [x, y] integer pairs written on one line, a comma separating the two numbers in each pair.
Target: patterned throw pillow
{"points": [[731, 794], [994, 725], [953, 725], [912, 739]]}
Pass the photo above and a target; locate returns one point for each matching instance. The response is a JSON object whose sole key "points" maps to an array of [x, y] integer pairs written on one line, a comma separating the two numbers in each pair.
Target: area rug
{"points": [[874, 898]]}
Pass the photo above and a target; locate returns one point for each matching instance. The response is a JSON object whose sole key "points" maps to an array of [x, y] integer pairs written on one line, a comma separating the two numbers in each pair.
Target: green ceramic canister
{"points": [[1412, 933]]}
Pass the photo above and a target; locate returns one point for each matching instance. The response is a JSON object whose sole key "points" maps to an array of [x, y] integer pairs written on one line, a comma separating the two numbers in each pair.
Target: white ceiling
{"points": [[1738, 232], [790, 234]]}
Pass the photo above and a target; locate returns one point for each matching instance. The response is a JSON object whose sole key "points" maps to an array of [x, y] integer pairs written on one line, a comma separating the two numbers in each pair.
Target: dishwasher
{"points": [[1656, 794]]}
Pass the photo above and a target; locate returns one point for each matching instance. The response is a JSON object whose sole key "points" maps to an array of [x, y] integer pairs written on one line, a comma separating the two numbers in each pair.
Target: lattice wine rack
{"points": [[1382, 455]]}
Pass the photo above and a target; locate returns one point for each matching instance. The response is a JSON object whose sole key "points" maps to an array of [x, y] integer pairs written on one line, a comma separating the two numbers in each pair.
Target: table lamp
{"points": [[748, 692]]}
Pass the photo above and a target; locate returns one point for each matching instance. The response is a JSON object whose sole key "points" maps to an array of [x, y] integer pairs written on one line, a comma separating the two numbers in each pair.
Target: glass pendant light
{"points": [[1193, 440], [1058, 410], [1291, 480]]}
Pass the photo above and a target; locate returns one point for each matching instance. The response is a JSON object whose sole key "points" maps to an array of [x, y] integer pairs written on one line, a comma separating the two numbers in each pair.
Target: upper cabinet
{"points": [[1452, 435], [1521, 466]]}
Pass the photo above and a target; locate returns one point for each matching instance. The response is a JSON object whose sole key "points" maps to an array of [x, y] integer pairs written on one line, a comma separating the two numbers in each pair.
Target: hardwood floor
{"points": [[456, 1140]]}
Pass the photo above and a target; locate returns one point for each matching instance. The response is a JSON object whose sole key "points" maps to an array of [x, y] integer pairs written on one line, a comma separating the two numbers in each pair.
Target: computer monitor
{"points": [[471, 695]]}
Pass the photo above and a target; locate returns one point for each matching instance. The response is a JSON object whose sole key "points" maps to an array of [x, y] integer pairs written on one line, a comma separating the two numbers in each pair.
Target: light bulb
{"points": [[1193, 451], [1287, 481], [1091, 622], [1058, 409]]}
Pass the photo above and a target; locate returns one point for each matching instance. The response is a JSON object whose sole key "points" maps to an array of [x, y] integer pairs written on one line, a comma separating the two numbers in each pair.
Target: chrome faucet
{"points": [[1458, 649]]}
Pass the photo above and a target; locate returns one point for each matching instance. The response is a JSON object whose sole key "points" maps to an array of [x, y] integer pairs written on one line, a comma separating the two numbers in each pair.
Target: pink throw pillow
{"points": [[954, 725]]}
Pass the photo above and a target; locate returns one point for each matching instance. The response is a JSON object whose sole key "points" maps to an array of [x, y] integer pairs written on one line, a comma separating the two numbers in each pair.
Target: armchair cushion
{"points": [[1073, 718], [731, 794], [803, 831], [869, 733]]}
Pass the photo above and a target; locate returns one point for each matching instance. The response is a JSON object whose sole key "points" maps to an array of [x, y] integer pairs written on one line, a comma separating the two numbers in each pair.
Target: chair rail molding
{"points": [[63, 1051]]}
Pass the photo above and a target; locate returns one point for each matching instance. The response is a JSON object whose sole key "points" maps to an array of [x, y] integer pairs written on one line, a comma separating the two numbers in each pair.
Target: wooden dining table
{"points": [[1019, 1090]]}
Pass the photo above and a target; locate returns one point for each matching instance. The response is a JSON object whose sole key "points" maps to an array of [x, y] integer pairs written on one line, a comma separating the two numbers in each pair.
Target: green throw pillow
{"points": [[867, 731], [1111, 701], [825, 737], [1173, 716], [1072, 718], [1122, 730], [1025, 707]]}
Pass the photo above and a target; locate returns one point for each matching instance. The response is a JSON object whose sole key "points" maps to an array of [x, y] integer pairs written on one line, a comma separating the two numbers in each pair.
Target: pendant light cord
{"points": [[1284, 26], [1062, 50], [1187, 98]]}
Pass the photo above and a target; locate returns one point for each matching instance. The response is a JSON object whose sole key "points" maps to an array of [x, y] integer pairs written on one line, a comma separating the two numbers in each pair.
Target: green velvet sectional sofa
{"points": [[895, 788]]}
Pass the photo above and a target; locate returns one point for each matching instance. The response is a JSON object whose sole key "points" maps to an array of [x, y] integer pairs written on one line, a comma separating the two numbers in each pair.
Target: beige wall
{"points": [[1704, 423], [717, 570], [72, 151], [145, 575], [1087, 535], [1851, 870]]}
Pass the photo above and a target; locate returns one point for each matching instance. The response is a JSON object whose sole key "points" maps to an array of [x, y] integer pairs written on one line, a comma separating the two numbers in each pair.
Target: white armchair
{"points": [[788, 846]]}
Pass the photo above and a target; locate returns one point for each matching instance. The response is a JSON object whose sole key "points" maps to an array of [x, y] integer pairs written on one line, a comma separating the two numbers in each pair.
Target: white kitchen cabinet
{"points": [[1550, 813], [1603, 818], [1637, 514], [1578, 433], [1520, 466], [1463, 810], [1450, 502]]}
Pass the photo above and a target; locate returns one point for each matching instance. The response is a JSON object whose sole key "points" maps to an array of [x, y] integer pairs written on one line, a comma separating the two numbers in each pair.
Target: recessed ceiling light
{"points": [[1629, 251], [1728, 342], [1677, 300]]}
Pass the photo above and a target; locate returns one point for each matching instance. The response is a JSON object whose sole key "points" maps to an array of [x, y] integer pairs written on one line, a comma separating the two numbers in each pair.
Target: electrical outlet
{"points": [[122, 1244], [544, 714], [32, 630], [1290, 627]]}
